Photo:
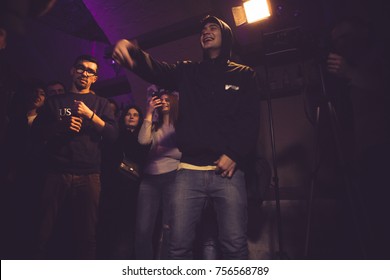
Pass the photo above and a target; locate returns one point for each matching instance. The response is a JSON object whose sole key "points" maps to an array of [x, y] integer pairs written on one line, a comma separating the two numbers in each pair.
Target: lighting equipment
{"points": [[251, 11]]}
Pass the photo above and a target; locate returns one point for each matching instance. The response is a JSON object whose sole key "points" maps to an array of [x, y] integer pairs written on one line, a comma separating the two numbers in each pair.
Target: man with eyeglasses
{"points": [[72, 126]]}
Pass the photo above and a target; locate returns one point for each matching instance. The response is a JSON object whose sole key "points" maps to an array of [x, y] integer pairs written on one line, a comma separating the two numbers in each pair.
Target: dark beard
{"points": [[80, 86]]}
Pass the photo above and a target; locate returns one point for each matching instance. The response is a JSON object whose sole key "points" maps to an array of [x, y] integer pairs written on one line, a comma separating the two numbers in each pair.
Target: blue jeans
{"points": [[191, 189], [154, 194]]}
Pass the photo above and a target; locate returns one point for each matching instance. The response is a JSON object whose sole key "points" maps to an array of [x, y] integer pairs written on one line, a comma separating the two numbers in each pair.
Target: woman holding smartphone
{"points": [[159, 173]]}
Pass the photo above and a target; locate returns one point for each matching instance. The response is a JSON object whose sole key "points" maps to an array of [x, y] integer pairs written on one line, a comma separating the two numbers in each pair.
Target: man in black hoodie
{"points": [[216, 131], [72, 126]]}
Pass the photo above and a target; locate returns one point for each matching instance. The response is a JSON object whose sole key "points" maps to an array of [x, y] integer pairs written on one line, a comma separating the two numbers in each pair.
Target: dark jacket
{"points": [[126, 145], [218, 105], [71, 152]]}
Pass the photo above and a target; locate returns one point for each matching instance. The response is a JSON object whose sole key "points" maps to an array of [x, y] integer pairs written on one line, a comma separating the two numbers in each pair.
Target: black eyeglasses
{"points": [[81, 69]]}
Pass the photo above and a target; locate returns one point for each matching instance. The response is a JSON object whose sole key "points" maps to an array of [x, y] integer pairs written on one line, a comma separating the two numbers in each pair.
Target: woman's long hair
{"points": [[173, 110]]}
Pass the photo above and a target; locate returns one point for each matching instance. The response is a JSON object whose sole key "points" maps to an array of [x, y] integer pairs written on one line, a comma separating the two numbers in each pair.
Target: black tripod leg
{"points": [[313, 179], [347, 180], [280, 254], [340, 153]]}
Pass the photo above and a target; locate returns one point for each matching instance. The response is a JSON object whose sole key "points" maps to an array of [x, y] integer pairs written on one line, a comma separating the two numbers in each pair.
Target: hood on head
{"points": [[227, 36]]}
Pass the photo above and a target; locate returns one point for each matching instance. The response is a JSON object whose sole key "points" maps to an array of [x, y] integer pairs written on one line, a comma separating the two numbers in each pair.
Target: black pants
{"points": [[77, 197]]}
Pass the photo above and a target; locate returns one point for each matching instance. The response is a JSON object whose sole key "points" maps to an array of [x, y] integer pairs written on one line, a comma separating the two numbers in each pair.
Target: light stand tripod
{"points": [[326, 104], [278, 44], [280, 254]]}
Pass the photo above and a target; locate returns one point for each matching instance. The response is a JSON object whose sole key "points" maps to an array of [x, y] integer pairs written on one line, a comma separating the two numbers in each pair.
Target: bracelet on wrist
{"points": [[93, 114]]}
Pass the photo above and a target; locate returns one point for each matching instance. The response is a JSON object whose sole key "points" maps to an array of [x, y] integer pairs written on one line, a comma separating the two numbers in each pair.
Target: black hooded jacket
{"points": [[218, 106]]}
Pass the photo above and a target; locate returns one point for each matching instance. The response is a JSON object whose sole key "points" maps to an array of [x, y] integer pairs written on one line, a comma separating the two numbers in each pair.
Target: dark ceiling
{"points": [[74, 18], [155, 22]]}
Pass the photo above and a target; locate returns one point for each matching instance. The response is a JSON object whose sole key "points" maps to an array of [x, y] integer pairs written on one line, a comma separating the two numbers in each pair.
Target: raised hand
{"points": [[121, 53]]}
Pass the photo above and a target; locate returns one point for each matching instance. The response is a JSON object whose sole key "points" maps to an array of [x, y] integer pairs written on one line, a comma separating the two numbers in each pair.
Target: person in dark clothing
{"points": [[119, 193], [115, 107], [216, 131], [23, 171], [72, 126], [359, 63], [54, 88]]}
